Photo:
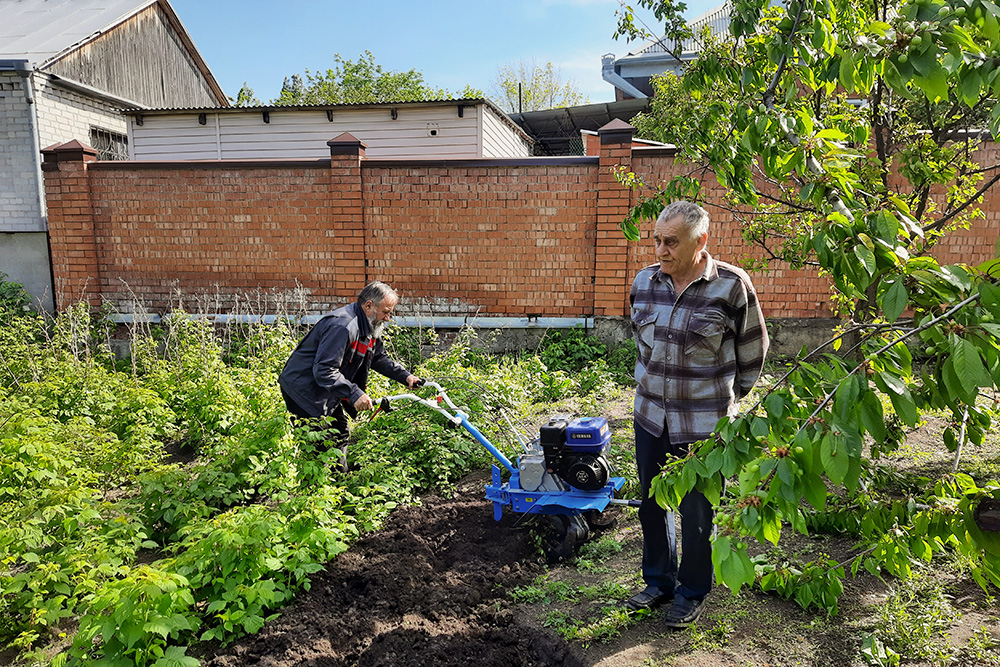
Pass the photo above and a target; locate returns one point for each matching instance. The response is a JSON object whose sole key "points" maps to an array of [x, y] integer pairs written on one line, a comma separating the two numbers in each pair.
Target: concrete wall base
{"points": [[24, 257], [788, 335]]}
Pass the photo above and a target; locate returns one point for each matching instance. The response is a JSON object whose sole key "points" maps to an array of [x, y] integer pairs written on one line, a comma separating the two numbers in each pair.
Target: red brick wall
{"points": [[498, 240], [782, 291], [74, 244], [180, 231], [978, 243], [536, 236]]}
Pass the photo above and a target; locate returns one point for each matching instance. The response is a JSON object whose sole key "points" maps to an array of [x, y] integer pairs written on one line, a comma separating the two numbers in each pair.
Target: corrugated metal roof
{"points": [[717, 19], [465, 101], [39, 30], [555, 130], [296, 107]]}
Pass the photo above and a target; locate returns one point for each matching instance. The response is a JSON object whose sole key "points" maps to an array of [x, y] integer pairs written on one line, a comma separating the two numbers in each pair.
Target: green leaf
{"points": [[759, 428], [853, 476], [814, 489], [737, 570], [804, 596], [970, 88], [905, 407], [174, 657], [968, 364], [158, 626], [711, 489], [721, 549], [990, 295], [964, 39], [846, 397], [714, 460], [892, 383], [991, 23], [994, 122], [896, 81], [775, 405], [847, 71], [802, 451], [950, 441], [934, 83], [831, 133], [952, 382], [730, 463], [833, 453], [872, 417], [771, 526], [784, 470], [867, 258], [894, 300]]}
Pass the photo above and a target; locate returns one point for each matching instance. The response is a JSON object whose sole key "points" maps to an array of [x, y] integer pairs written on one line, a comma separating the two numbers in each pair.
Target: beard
{"points": [[377, 329]]}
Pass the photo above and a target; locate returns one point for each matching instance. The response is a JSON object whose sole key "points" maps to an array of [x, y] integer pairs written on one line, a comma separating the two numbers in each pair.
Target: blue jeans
{"points": [[693, 579]]}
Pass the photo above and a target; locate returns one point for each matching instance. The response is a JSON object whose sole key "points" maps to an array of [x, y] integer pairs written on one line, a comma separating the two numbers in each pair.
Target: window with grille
{"points": [[110, 145]]}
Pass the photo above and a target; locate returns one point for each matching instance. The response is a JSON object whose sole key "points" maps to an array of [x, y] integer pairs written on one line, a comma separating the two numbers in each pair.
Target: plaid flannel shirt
{"points": [[699, 352]]}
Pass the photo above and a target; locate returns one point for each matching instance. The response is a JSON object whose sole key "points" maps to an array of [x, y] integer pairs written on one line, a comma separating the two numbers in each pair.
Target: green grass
{"points": [[912, 623]]}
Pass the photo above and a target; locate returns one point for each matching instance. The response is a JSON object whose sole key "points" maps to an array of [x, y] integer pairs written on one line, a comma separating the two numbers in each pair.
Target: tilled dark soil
{"points": [[432, 588], [424, 590]]}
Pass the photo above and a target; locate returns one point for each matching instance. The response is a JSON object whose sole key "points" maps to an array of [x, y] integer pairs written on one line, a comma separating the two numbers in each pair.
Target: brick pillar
{"points": [[612, 282], [347, 220], [76, 269]]}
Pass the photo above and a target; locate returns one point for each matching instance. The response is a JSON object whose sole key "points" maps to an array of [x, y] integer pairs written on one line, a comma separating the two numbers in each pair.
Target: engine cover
{"points": [[587, 472], [575, 451]]}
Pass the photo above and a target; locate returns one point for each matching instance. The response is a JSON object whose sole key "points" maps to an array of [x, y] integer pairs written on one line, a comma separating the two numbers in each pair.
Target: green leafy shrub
{"points": [[133, 618], [574, 351], [14, 300], [405, 344], [167, 500], [59, 540], [570, 350]]}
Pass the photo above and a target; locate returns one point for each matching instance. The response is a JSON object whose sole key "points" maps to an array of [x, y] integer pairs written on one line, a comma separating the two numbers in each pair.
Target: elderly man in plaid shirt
{"points": [[701, 341]]}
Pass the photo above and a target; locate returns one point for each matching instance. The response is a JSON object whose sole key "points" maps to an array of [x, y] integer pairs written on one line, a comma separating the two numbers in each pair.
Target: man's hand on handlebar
{"points": [[413, 381], [364, 403]]}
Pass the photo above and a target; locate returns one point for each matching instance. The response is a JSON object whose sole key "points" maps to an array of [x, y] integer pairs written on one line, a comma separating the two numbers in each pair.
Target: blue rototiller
{"points": [[563, 474]]}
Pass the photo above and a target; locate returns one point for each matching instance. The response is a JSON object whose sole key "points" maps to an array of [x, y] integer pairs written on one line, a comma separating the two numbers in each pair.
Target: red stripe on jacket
{"points": [[361, 348]]}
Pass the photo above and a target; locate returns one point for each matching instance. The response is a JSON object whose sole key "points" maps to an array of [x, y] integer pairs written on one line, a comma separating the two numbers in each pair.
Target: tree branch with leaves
{"points": [[846, 129]]}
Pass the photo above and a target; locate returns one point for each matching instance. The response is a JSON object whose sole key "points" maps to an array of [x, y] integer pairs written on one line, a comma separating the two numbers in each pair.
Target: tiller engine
{"points": [[563, 474]]}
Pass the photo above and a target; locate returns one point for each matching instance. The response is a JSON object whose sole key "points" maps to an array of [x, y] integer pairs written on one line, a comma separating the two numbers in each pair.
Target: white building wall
{"points": [[500, 140], [416, 132], [64, 115], [20, 208]]}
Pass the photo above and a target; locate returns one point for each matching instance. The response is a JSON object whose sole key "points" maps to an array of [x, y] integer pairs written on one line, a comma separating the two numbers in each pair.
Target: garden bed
{"points": [[443, 584]]}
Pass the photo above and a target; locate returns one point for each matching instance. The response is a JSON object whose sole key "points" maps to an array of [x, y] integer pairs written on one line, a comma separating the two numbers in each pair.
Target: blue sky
{"points": [[453, 43]]}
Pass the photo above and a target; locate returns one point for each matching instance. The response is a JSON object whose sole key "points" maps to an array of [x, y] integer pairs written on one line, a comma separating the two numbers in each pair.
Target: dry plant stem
{"points": [[10, 372], [849, 560], [961, 439]]}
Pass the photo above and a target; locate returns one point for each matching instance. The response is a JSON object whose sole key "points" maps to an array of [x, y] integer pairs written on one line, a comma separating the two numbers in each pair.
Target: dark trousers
{"points": [[333, 427], [693, 579]]}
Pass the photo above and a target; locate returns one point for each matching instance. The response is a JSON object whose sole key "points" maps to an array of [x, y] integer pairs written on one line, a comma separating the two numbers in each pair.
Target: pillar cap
{"points": [[71, 151], [616, 132], [346, 144]]}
